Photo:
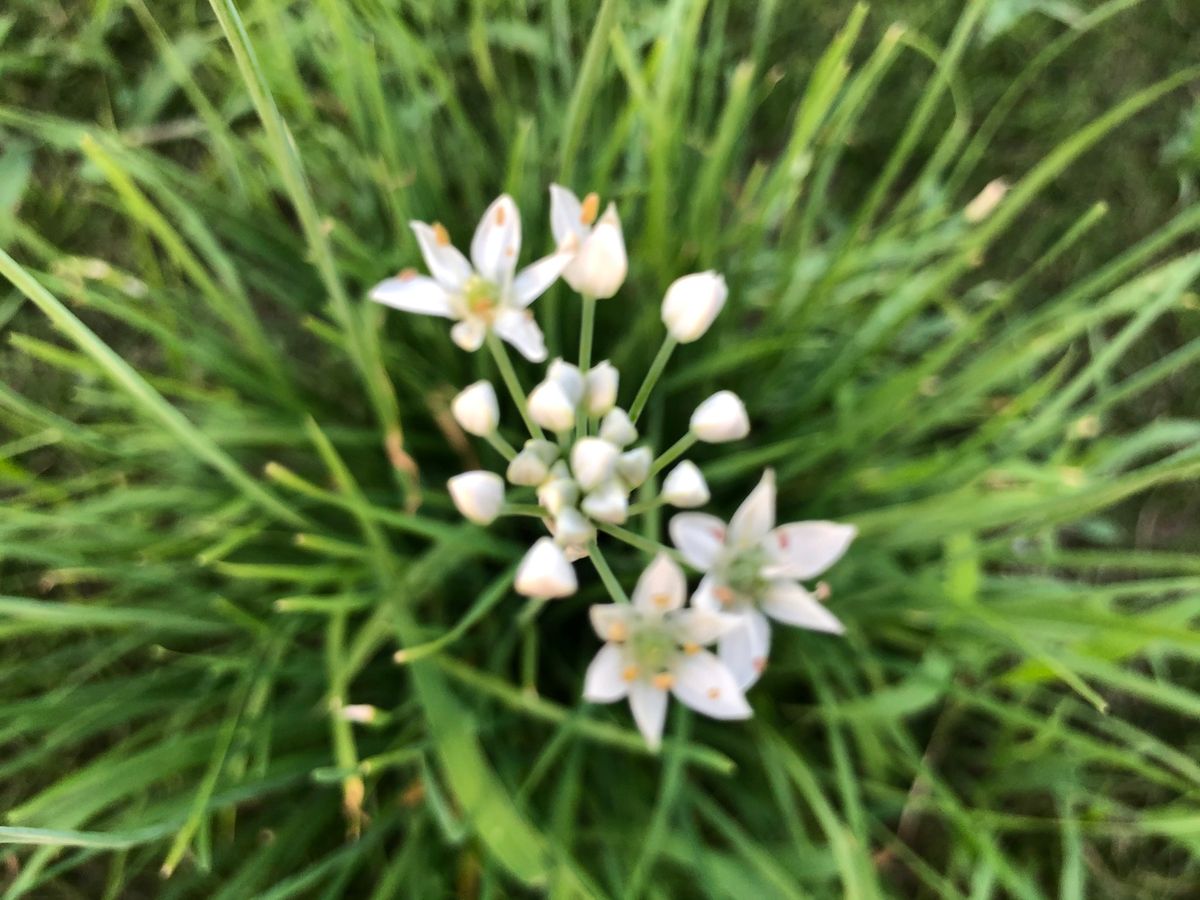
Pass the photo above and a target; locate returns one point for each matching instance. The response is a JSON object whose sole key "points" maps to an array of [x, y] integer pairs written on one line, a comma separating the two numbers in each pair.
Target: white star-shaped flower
{"points": [[753, 569], [484, 294], [654, 647]]}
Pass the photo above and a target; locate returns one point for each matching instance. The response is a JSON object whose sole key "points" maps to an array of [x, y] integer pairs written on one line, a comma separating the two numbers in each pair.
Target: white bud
{"points": [[608, 503], [720, 418], [545, 572], [559, 492], [600, 263], [477, 495], [359, 713], [616, 428], [685, 486], [592, 461], [476, 409], [551, 407], [571, 529], [602, 382], [634, 465], [691, 303], [531, 466], [567, 376], [985, 201]]}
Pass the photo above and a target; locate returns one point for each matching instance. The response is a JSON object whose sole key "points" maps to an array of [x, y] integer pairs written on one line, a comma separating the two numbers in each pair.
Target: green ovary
{"points": [[742, 574], [653, 649]]}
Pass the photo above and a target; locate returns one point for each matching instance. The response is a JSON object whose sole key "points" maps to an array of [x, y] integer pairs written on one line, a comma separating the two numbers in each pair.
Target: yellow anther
{"points": [[500, 215], [724, 595], [664, 681], [441, 235], [691, 649], [618, 632], [407, 274], [630, 673], [714, 693], [591, 206], [662, 601]]}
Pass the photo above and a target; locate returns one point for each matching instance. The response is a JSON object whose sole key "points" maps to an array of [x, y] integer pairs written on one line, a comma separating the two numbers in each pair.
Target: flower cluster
{"points": [[582, 464]]}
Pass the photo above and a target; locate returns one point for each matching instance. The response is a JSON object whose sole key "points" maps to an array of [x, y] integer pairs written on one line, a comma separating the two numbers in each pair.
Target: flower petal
{"points": [[788, 602], [806, 549], [756, 516], [497, 242], [705, 684], [649, 707], [744, 650], [468, 334], [415, 294], [605, 682], [699, 537], [705, 596], [449, 267], [566, 215], [611, 621], [518, 328], [533, 280], [661, 588], [703, 626]]}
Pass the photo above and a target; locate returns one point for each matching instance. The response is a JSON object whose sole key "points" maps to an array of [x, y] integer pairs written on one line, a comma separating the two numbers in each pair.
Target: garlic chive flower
{"points": [[720, 419], [653, 646], [600, 264], [476, 409], [753, 569], [545, 572], [601, 393], [692, 303], [685, 486], [485, 294], [478, 495]]}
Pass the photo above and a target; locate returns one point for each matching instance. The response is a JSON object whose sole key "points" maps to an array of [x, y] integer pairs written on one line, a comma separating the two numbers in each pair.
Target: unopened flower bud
{"points": [[634, 465], [531, 466], [602, 382], [545, 572], [692, 303], [608, 503], [600, 263], [568, 377], [551, 407], [559, 491], [477, 495], [571, 529], [720, 418], [592, 461], [616, 428], [476, 409], [685, 486]]}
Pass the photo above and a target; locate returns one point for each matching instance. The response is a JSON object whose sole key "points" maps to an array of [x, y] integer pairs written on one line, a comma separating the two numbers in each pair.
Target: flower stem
{"points": [[643, 506], [509, 374], [587, 329], [672, 453], [501, 446], [656, 370], [606, 574], [522, 509], [636, 540]]}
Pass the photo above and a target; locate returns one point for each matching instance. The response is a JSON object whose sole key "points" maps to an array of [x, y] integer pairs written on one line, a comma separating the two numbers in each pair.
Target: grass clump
{"points": [[223, 508]]}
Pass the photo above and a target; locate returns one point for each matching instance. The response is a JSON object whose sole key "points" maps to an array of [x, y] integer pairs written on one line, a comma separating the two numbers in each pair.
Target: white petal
{"points": [[535, 279], [566, 215], [633, 466], [705, 684], [806, 549], [692, 303], [601, 264], [593, 461], [705, 596], [788, 602], [604, 682], [720, 418], [685, 486], [607, 503], [703, 626], [478, 495], [477, 409], [567, 376], [571, 529], [518, 328], [745, 650], [497, 242], [550, 407], [612, 622], [442, 258], [602, 382], [468, 334], [756, 516], [415, 294], [649, 707], [545, 572], [661, 588], [699, 537], [617, 428]]}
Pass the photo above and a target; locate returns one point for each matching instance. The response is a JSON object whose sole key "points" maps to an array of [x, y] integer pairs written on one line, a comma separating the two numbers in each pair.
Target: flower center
{"points": [[743, 573], [653, 649], [481, 298]]}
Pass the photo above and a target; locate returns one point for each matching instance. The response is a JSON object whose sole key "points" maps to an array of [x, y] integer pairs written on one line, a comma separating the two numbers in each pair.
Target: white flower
{"points": [[488, 295], [753, 569], [607, 503], [616, 428], [634, 466], [476, 409], [545, 572], [477, 495], [531, 466], [653, 646], [720, 418], [559, 491], [685, 486], [568, 377], [601, 394], [571, 529], [551, 407], [600, 264], [593, 460], [692, 303]]}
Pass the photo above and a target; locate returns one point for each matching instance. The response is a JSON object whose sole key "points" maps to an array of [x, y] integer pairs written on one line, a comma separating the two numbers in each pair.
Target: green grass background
{"points": [[221, 469]]}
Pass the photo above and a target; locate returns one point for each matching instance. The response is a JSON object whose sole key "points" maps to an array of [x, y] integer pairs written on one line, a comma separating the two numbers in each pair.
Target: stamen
{"points": [[662, 601], [407, 274], [630, 673], [691, 649], [440, 234], [664, 681], [617, 632], [500, 214], [724, 595], [760, 663], [591, 206], [823, 591]]}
